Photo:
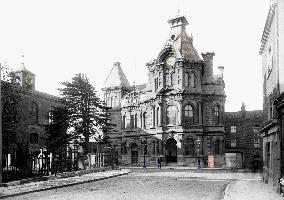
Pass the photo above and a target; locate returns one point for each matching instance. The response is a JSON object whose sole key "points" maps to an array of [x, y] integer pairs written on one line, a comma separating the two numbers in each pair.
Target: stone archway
{"points": [[171, 150], [134, 153]]}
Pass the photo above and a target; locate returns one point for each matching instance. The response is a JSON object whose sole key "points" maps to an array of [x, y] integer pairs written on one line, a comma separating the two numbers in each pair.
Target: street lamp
{"points": [[198, 151], [144, 145]]}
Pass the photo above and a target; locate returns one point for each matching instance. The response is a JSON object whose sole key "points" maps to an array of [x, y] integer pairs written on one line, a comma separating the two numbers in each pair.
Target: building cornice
{"points": [[267, 27]]}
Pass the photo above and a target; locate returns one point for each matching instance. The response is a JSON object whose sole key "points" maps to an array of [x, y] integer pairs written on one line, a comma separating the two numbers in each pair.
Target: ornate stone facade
{"points": [[177, 115], [272, 53]]}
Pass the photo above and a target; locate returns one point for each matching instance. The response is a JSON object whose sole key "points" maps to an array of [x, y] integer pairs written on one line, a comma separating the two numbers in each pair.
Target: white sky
{"points": [[62, 37]]}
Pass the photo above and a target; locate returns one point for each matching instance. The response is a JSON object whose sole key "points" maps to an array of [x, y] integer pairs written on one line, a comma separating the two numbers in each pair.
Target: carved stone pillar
{"points": [[160, 122], [180, 112]]}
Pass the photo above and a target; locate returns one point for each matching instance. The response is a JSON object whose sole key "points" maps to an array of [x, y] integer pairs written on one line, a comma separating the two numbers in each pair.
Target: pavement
{"points": [[242, 186], [250, 189], [19, 189]]}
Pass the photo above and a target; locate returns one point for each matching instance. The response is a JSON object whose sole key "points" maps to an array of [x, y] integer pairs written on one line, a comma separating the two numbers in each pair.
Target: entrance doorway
{"points": [[134, 153], [171, 150]]}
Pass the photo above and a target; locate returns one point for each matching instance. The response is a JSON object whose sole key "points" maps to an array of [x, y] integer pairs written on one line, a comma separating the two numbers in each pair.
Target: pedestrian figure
{"points": [[159, 162]]}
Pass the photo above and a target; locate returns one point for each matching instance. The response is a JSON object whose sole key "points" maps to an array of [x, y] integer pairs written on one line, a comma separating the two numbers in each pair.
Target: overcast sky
{"points": [[62, 37]]}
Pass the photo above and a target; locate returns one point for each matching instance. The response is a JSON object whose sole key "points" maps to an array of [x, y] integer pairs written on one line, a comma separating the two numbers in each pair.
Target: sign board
{"points": [[211, 161]]}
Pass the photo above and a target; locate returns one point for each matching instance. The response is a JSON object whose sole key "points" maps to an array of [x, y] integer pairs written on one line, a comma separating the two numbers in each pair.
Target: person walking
{"points": [[159, 162]]}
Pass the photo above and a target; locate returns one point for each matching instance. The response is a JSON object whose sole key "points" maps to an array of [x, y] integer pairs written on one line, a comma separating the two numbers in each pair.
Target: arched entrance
{"points": [[134, 153], [171, 150]]}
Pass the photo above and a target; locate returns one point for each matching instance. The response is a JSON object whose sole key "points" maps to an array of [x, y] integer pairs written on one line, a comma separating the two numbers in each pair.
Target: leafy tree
{"points": [[84, 108], [57, 129], [10, 98], [106, 126]]}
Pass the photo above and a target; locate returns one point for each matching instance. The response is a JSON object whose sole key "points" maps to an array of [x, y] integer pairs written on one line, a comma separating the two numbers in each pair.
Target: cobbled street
{"points": [[150, 184]]}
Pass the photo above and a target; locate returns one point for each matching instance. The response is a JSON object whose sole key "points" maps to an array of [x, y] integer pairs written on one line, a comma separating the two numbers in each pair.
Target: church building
{"points": [[177, 115]]}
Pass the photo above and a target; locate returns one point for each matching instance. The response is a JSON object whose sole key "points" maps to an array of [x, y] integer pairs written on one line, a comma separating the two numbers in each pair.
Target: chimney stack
{"points": [[208, 68]]}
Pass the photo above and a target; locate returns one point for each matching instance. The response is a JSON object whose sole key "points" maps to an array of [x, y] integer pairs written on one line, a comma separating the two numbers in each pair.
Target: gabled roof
{"points": [[116, 77]]}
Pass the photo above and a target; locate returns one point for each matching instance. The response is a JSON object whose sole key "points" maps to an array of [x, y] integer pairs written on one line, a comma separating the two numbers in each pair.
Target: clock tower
{"points": [[24, 77]]}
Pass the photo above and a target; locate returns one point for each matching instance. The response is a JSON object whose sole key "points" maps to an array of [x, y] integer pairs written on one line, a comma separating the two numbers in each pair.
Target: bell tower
{"points": [[24, 77]]}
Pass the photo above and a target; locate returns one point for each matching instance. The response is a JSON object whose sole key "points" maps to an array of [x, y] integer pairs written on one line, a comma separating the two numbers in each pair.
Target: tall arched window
{"points": [[111, 102], [189, 147], [186, 81], [158, 116], [171, 115], [188, 114], [123, 122], [192, 80], [144, 120], [172, 79], [115, 103], [218, 147], [108, 102], [216, 115]]}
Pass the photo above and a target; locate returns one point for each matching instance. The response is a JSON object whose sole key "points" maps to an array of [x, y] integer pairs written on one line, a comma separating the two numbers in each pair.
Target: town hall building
{"points": [[178, 115]]}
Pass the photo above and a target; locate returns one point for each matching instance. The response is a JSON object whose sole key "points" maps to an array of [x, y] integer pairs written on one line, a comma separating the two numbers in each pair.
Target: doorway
{"points": [[134, 153], [171, 150]]}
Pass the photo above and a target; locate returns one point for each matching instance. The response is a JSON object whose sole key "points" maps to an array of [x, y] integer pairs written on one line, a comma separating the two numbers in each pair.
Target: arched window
{"points": [[135, 121], [115, 102], [167, 78], [111, 102], [189, 147], [123, 122], [123, 148], [172, 79], [192, 80], [144, 120], [34, 113], [186, 77], [218, 147], [158, 116], [188, 114], [171, 115], [216, 115]]}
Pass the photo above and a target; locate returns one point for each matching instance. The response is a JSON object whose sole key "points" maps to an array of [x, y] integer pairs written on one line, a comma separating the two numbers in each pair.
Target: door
{"points": [[134, 153], [171, 150]]}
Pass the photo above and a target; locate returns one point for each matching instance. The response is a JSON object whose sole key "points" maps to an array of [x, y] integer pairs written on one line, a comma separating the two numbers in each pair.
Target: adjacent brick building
{"points": [[33, 117], [243, 138], [177, 115], [272, 52]]}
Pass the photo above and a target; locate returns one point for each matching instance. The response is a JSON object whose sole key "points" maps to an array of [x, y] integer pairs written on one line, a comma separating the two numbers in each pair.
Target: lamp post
{"points": [[1, 143], [144, 145], [198, 151]]}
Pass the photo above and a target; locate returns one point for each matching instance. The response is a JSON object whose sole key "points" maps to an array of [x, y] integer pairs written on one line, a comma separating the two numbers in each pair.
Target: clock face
{"points": [[170, 61]]}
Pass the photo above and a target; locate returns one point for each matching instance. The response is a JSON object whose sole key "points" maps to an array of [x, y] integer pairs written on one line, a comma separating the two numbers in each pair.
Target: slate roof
{"points": [[180, 42], [116, 77]]}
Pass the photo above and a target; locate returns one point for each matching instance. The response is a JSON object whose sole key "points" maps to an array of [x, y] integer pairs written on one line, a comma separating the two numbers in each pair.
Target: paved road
{"points": [[148, 184]]}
